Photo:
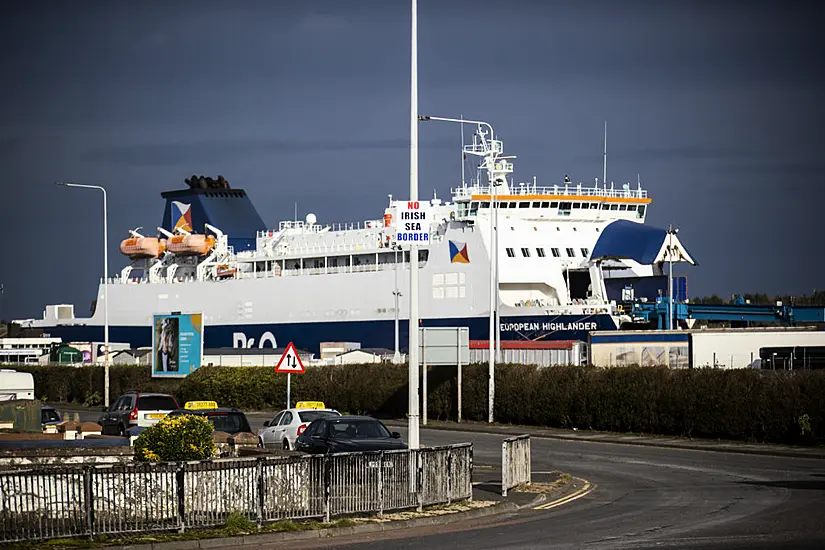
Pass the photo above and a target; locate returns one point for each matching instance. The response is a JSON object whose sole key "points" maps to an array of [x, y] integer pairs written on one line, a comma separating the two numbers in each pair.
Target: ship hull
{"points": [[370, 334]]}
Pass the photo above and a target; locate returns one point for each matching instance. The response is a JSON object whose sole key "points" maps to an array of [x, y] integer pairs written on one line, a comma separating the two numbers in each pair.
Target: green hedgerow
{"points": [[184, 437]]}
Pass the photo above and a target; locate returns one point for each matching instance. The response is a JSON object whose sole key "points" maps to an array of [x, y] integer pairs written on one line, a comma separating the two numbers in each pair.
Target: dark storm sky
{"points": [[719, 106]]}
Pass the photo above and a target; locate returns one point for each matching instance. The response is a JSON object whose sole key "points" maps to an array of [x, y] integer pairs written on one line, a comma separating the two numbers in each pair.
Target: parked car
{"points": [[136, 409], [282, 431], [347, 434], [223, 419], [49, 415]]}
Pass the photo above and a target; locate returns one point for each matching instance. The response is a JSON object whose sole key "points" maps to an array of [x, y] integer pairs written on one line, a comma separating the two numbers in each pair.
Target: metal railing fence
{"points": [[88, 500], [516, 465]]}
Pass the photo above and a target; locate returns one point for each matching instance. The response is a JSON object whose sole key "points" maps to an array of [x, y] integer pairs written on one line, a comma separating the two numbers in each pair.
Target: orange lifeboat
{"points": [[191, 245], [226, 271], [142, 247]]}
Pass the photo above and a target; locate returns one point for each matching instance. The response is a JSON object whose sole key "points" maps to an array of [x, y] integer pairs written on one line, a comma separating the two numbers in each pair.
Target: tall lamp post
{"points": [[493, 263], [105, 284]]}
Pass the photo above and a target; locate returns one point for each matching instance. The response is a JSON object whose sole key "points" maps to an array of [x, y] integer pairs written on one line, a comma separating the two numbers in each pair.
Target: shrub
{"points": [[743, 404], [184, 437]]}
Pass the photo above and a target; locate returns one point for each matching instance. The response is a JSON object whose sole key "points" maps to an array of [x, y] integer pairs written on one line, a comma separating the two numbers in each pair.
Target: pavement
{"points": [[514, 502]]}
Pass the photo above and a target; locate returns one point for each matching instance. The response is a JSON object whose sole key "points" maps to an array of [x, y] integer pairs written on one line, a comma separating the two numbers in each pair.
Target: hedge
{"points": [[742, 404]]}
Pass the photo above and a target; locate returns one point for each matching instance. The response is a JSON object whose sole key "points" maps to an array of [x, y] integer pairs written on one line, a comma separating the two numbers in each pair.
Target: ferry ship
{"points": [[565, 254]]}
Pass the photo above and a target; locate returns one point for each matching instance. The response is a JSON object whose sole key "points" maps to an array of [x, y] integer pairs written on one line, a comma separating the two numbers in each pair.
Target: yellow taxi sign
{"points": [[195, 405], [310, 405]]}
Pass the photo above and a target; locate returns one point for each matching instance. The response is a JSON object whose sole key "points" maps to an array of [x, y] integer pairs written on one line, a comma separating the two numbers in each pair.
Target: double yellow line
{"points": [[583, 492]]}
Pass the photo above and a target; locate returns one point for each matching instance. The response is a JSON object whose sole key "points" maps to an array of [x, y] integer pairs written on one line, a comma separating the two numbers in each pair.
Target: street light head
{"points": [[423, 118], [63, 183]]}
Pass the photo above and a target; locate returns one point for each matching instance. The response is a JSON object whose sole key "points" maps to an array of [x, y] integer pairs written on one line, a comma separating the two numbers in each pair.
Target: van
{"points": [[16, 385]]}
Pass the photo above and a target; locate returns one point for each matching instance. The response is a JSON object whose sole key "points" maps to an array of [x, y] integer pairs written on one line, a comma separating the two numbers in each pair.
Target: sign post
{"points": [[290, 362]]}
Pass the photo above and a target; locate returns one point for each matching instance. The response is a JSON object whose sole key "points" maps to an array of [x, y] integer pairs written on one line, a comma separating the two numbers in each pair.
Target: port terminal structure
{"points": [[655, 314]]}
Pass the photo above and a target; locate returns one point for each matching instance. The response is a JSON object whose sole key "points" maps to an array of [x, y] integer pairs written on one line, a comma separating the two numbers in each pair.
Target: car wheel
{"points": [[286, 445], [122, 431], [261, 443]]}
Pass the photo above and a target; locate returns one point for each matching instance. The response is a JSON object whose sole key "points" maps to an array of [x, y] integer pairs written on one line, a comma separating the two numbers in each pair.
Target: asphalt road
{"points": [[644, 497]]}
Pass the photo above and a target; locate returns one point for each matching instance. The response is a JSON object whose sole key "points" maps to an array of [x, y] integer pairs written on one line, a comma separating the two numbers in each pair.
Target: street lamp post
{"points": [[494, 324], [105, 285]]}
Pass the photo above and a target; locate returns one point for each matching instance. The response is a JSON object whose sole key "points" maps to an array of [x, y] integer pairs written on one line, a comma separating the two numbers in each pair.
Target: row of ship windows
{"points": [[563, 206], [525, 252]]}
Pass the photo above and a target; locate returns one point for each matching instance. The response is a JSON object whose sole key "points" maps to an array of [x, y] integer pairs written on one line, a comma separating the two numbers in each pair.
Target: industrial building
{"points": [[728, 348]]}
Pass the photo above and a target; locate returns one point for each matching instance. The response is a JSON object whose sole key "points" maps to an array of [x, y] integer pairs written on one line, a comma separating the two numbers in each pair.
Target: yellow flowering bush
{"points": [[184, 437]]}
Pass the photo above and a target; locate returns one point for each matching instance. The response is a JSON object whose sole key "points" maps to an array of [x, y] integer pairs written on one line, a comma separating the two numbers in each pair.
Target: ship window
{"points": [[614, 206], [546, 204], [555, 252], [484, 205], [333, 262], [585, 252], [571, 252], [641, 210], [473, 208], [631, 207], [525, 252], [577, 205], [540, 252], [622, 207], [558, 228], [536, 205], [511, 253], [513, 204], [317, 264], [524, 204], [594, 206], [502, 205]]}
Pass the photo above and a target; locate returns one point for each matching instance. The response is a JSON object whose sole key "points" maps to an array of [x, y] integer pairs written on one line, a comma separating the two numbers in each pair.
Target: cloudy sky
{"points": [[717, 106]]}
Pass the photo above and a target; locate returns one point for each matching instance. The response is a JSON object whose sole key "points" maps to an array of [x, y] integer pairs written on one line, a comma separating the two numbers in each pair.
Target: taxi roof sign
{"points": [[196, 405], [310, 405]]}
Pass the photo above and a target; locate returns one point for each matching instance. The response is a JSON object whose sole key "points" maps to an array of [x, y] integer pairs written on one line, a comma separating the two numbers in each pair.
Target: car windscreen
{"points": [[308, 416], [231, 423], [358, 429], [156, 403], [49, 415]]}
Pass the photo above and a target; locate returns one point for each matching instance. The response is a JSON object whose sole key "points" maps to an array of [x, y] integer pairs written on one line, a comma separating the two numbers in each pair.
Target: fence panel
{"points": [[42, 504], [132, 498], [516, 466], [292, 488], [53, 502], [214, 489]]}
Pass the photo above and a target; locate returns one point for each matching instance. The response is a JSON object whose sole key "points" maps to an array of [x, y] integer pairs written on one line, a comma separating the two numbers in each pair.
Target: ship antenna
{"points": [[463, 184], [604, 173]]}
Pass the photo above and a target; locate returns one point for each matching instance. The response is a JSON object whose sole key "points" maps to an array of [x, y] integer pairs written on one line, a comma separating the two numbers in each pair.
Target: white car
{"points": [[282, 431]]}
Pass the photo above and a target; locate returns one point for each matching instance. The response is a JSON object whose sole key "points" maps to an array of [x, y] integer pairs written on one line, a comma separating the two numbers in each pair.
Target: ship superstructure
{"points": [[309, 282]]}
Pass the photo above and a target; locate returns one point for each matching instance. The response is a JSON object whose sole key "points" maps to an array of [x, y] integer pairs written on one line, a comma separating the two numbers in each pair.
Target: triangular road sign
{"points": [[290, 361]]}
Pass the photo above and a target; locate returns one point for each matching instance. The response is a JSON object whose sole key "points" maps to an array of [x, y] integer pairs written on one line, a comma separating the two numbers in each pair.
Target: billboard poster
{"points": [[177, 344]]}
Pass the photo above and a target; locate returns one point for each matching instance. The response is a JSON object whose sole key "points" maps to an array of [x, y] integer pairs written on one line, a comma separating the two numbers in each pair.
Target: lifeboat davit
{"points": [[142, 247], [191, 245]]}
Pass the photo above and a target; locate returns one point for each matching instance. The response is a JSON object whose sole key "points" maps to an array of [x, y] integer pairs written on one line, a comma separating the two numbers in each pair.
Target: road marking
{"points": [[584, 491]]}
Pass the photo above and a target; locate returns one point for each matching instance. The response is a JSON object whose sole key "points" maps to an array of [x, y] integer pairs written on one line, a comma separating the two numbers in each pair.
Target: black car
{"points": [[49, 415], [343, 434], [223, 419]]}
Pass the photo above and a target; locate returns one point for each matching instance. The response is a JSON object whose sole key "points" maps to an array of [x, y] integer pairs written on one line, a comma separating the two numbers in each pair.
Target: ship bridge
{"points": [[626, 240]]}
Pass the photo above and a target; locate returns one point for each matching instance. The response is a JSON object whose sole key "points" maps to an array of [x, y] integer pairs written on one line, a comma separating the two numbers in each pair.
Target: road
{"points": [[645, 497]]}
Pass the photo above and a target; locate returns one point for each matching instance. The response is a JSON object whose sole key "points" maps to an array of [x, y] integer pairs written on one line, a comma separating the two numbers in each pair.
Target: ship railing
{"points": [[554, 190], [319, 228]]}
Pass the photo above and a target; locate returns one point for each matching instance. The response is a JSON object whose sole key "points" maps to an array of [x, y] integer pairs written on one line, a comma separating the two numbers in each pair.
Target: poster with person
{"points": [[177, 344]]}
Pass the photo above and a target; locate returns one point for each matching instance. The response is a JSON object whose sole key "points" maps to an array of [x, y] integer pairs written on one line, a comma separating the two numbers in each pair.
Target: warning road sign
{"points": [[290, 361]]}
